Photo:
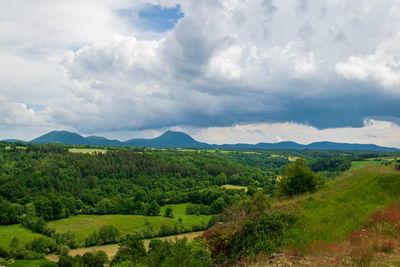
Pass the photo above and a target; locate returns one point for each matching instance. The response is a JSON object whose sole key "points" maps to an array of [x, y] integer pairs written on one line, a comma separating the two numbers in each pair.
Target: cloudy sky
{"points": [[223, 71]]}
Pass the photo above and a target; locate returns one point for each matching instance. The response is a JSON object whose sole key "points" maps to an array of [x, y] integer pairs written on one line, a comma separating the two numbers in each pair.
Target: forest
{"points": [[42, 184]]}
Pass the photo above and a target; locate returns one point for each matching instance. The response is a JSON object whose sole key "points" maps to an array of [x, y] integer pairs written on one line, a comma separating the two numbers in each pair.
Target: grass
{"points": [[358, 164], [87, 150], [231, 186], [341, 207], [23, 263], [7, 232], [83, 225]]}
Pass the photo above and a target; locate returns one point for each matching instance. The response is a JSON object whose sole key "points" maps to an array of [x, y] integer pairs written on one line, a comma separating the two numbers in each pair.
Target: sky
{"points": [[223, 71]]}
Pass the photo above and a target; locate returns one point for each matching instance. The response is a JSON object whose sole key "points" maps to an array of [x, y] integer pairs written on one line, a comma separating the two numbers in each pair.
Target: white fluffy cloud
{"points": [[383, 66], [18, 114], [373, 132]]}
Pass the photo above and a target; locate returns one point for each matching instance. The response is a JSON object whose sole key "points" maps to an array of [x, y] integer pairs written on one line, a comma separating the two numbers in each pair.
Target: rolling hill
{"points": [[175, 139]]}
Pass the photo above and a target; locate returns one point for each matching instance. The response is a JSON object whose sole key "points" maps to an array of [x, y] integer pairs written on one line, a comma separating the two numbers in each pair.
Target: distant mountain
{"points": [[168, 139], [179, 139], [63, 137], [12, 140], [66, 137]]}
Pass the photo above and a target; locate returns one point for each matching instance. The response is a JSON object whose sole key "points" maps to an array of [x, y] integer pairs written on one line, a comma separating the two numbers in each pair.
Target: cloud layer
{"points": [[92, 68]]}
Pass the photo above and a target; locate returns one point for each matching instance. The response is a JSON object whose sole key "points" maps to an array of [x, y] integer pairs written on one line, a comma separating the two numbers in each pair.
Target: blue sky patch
{"points": [[155, 18]]}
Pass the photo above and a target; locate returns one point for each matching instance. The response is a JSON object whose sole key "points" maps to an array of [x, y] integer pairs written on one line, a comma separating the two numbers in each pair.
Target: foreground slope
{"points": [[255, 230], [342, 206]]}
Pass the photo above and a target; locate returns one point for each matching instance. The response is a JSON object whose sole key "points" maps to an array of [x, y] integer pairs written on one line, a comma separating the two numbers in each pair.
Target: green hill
{"points": [[302, 223], [332, 213]]}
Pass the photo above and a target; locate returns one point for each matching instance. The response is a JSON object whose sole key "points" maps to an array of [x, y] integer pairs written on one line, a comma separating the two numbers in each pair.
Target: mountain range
{"points": [[182, 140]]}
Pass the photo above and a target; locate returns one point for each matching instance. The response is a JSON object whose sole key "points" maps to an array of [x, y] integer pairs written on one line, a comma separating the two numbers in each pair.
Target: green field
{"points": [[237, 187], [358, 164], [343, 205], [23, 263], [83, 225], [87, 150], [7, 232]]}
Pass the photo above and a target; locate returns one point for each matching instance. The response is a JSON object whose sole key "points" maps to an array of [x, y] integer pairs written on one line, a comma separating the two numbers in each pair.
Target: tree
{"points": [[169, 213], [153, 209], [130, 249], [298, 178], [218, 205], [108, 234]]}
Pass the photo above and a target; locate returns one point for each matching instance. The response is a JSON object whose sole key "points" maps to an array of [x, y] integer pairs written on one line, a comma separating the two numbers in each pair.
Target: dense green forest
{"points": [[60, 183]]}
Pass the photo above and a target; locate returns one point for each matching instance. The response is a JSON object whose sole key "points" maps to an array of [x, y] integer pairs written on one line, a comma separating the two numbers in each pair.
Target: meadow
{"points": [[237, 187], [358, 164], [87, 150], [7, 232], [342, 206], [23, 263], [83, 225]]}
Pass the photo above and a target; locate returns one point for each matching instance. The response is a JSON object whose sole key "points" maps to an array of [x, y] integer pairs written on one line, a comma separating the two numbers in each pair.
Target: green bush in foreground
{"points": [[162, 253], [297, 179]]}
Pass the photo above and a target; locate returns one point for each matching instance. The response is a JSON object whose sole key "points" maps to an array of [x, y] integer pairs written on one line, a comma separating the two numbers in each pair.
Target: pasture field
{"points": [[83, 225], [87, 150], [23, 263], [24, 235], [237, 187], [358, 164]]}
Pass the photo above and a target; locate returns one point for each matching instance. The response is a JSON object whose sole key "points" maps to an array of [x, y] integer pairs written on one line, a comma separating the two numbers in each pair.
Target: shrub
{"points": [[297, 178], [39, 245], [63, 250], [169, 213], [3, 253], [108, 234]]}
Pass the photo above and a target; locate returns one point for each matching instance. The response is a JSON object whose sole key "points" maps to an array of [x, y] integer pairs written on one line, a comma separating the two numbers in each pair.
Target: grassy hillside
{"points": [[305, 222], [333, 212]]}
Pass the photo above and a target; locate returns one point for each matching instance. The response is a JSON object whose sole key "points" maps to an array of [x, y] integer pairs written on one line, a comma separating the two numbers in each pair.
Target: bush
{"points": [[130, 249], [298, 178], [169, 213], [67, 238], [3, 253], [39, 245], [108, 234], [63, 250]]}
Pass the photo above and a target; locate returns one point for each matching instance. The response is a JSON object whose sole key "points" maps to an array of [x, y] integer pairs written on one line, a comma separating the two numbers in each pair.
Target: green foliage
{"points": [[332, 213], [130, 249], [153, 209], [330, 164], [39, 245], [169, 212], [264, 234], [179, 253], [89, 259], [108, 234], [68, 238], [55, 184], [3, 253], [105, 235], [297, 178]]}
